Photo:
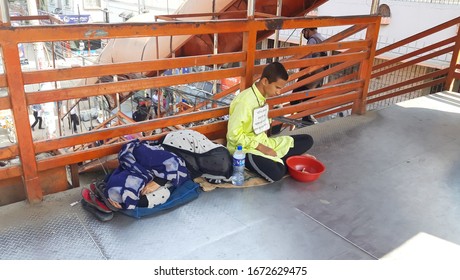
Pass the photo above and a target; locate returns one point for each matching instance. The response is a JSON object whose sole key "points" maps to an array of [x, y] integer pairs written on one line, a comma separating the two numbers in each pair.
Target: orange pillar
{"points": [[249, 46], [359, 106], [455, 60], [21, 120]]}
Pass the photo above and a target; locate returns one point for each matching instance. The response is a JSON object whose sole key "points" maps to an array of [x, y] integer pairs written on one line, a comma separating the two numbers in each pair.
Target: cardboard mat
{"points": [[250, 180]]}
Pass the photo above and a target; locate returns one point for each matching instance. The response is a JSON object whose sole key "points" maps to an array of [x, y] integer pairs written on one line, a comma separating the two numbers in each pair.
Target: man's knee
{"points": [[276, 176], [276, 173], [302, 143], [308, 141]]}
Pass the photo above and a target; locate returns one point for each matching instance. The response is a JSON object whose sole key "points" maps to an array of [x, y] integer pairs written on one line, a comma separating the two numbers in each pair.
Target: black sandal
{"points": [[99, 191], [101, 216], [214, 181], [93, 200]]}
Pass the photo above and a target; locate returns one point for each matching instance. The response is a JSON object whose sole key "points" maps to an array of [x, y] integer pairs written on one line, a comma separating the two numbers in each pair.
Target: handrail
{"points": [[414, 53], [42, 76], [412, 81], [413, 62], [407, 90]]}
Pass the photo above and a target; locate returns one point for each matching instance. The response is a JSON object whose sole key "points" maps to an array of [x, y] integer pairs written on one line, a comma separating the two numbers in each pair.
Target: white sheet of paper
{"points": [[260, 121]]}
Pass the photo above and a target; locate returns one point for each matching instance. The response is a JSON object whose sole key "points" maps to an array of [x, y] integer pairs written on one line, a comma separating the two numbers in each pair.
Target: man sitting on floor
{"points": [[248, 123]]}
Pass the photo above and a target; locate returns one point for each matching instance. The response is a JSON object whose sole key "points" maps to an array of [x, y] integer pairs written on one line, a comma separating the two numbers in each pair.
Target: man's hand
{"points": [[266, 150]]}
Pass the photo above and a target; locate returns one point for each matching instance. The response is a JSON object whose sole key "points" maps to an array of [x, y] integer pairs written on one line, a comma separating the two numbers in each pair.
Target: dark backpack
{"points": [[319, 41], [314, 84], [140, 114]]}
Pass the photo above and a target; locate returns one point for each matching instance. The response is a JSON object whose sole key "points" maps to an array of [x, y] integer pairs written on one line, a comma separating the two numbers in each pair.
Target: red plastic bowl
{"points": [[305, 168]]}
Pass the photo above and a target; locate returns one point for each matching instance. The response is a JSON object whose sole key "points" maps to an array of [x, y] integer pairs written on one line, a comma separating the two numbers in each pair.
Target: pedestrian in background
{"points": [[313, 37], [74, 119], [37, 111]]}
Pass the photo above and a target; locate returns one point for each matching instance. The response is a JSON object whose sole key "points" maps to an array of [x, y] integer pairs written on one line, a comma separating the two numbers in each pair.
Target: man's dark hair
{"points": [[275, 71]]}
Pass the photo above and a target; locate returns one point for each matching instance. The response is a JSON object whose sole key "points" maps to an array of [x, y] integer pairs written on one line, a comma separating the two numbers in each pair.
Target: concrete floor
{"points": [[392, 175]]}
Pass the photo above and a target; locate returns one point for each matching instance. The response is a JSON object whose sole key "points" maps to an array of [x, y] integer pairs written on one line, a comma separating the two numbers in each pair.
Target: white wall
{"points": [[407, 18]]}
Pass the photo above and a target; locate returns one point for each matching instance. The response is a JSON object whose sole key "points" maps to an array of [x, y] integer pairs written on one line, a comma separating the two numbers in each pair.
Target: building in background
{"points": [[108, 10]]}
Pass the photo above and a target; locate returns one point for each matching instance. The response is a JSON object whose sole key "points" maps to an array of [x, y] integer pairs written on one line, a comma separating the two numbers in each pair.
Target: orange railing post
{"points": [[454, 61], [19, 107], [359, 106], [249, 47]]}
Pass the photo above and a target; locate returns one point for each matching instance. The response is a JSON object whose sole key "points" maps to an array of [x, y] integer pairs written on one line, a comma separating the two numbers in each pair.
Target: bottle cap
{"points": [[239, 148]]}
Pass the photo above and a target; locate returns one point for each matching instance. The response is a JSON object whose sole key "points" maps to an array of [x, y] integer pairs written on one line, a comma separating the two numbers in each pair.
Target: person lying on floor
{"points": [[150, 170], [151, 195], [146, 176], [203, 157], [248, 123]]}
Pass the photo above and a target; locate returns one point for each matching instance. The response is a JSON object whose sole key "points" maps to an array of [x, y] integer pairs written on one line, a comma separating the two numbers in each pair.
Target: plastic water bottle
{"points": [[238, 166]]}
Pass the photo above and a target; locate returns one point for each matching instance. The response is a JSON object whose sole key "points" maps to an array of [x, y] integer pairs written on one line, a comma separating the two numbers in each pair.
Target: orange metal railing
{"points": [[441, 78], [18, 99], [343, 91]]}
